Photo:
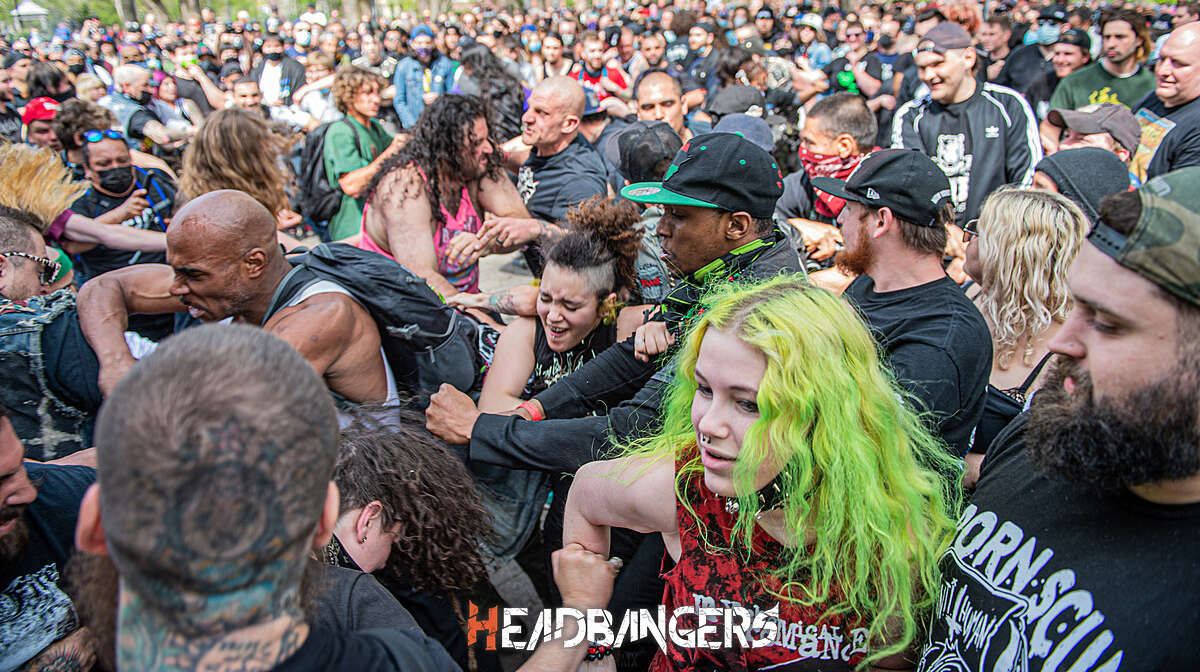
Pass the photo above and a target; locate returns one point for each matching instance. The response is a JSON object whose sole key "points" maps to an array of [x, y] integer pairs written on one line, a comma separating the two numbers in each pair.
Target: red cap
{"points": [[38, 109]]}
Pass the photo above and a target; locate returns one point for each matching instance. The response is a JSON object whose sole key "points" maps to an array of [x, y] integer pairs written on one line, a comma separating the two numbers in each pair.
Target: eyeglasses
{"points": [[971, 228], [97, 136], [49, 266]]}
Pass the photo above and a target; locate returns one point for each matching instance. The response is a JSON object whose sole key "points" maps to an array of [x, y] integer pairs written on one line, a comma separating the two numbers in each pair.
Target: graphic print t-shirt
{"points": [[1049, 575], [34, 609]]}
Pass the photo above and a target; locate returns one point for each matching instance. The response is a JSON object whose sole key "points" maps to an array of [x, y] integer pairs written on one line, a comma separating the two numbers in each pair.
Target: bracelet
{"points": [[597, 652], [535, 413]]}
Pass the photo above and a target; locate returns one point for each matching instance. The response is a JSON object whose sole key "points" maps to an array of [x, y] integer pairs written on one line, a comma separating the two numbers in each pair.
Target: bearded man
{"points": [[1074, 549]]}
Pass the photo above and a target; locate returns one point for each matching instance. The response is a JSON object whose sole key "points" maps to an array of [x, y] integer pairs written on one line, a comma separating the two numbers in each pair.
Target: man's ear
{"points": [[846, 145], [255, 262], [329, 515], [570, 124], [89, 530], [368, 515], [740, 224], [887, 222]]}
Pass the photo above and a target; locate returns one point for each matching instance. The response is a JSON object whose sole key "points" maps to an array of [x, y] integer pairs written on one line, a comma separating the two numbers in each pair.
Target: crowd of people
{"points": [[877, 321]]}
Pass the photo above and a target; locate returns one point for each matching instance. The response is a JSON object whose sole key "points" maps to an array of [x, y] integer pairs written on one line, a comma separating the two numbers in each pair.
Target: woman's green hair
{"points": [[863, 477]]}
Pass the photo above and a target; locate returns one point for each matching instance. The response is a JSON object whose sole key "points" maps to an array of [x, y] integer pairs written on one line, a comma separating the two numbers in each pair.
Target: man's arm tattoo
{"points": [[503, 302]]}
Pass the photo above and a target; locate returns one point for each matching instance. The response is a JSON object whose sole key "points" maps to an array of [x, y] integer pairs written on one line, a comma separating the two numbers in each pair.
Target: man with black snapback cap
{"points": [[935, 339], [1079, 548], [718, 198]]}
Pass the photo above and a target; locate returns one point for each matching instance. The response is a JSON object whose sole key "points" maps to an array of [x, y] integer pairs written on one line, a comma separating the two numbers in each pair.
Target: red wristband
{"points": [[535, 413]]}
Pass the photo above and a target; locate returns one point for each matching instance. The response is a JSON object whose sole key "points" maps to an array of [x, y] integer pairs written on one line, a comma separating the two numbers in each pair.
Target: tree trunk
{"points": [[159, 10], [127, 11], [189, 8]]}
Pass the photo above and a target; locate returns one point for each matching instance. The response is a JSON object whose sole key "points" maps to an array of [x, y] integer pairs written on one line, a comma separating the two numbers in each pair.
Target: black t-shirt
{"points": [[1023, 65], [839, 65], [1170, 136], [938, 346], [34, 609], [192, 90], [1039, 92], [1046, 574], [549, 366], [366, 651], [72, 370], [160, 192], [137, 123], [10, 123], [551, 184], [797, 198]]}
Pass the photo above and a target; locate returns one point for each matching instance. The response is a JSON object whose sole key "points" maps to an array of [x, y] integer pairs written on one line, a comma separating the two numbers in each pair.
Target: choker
{"points": [[769, 497]]}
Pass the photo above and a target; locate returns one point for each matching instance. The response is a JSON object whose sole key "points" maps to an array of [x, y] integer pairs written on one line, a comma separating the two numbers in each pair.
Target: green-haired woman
{"points": [[789, 472]]}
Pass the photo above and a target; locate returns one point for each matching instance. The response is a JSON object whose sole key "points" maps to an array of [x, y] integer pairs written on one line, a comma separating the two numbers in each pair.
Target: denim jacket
{"points": [[409, 81], [48, 426]]}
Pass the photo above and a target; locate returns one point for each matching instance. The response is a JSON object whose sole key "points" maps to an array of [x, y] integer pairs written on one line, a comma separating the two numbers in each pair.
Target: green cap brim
{"points": [[655, 192]]}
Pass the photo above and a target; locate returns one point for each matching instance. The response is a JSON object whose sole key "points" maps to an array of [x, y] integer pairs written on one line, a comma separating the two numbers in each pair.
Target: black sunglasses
{"points": [[49, 266], [96, 135]]}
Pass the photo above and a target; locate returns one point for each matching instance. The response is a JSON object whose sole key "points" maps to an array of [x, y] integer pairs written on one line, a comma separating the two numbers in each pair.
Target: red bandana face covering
{"points": [[828, 165]]}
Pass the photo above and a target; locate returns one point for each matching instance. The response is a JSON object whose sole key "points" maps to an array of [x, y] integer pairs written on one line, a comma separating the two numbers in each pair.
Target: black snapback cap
{"points": [[904, 180]]}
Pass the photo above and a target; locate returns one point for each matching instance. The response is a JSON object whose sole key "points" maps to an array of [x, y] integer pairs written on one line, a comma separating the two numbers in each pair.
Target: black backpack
{"points": [[319, 200], [425, 341]]}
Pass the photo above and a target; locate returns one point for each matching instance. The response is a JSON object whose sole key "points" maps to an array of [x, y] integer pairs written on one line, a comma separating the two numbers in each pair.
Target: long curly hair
{"points": [[604, 236], [438, 146], [236, 149], [1028, 238], [423, 487], [862, 474]]}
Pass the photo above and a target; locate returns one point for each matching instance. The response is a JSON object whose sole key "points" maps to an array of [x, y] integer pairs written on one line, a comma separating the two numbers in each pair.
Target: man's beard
{"points": [[1142, 436], [856, 260], [12, 545]]}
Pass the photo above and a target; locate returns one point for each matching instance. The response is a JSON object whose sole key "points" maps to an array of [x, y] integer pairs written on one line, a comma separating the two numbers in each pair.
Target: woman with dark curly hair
{"points": [[426, 203], [408, 506]]}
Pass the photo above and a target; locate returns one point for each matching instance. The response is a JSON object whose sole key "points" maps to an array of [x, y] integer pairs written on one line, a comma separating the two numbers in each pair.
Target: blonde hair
{"points": [[236, 149], [84, 84], [1027, 241], [33, 179]]}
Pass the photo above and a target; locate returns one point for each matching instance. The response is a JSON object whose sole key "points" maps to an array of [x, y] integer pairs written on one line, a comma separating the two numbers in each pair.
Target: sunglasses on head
{"points": [[98, 135], [49, 266], [971, 228]]}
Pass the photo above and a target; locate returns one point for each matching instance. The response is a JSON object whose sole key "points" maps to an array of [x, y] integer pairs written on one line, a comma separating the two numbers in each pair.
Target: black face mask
{"points": [[76, 68], [116, 180], [65, 95], [274, 56], [886, 42], [144, 99]]}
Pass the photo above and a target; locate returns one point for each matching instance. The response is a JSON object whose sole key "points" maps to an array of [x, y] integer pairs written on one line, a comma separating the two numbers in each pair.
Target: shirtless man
{"points": [[450, 152], [223, 262]]}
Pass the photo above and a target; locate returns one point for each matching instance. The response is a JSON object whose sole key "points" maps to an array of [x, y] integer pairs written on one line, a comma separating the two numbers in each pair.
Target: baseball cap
{"points": [[764, 13], [422, 30], [1054, 13], [904, 180], [754, 129], [812, 21], [716, 170], [39, 109], [1076, 37], [754, 45], [1162, 247], [1111, 118], [738, 98], [639, 148], [591, 102], [945, 36]]}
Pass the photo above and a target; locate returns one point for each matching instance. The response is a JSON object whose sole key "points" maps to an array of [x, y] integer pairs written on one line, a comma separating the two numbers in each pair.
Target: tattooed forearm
{"points": [[503, 302]]}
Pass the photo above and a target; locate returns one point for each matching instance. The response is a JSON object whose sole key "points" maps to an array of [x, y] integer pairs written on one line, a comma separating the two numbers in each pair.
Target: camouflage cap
{"points": [[1164, 246]]}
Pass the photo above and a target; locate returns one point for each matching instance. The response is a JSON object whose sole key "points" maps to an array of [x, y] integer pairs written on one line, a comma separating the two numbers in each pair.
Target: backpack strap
{"points": [[294, 282]]}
